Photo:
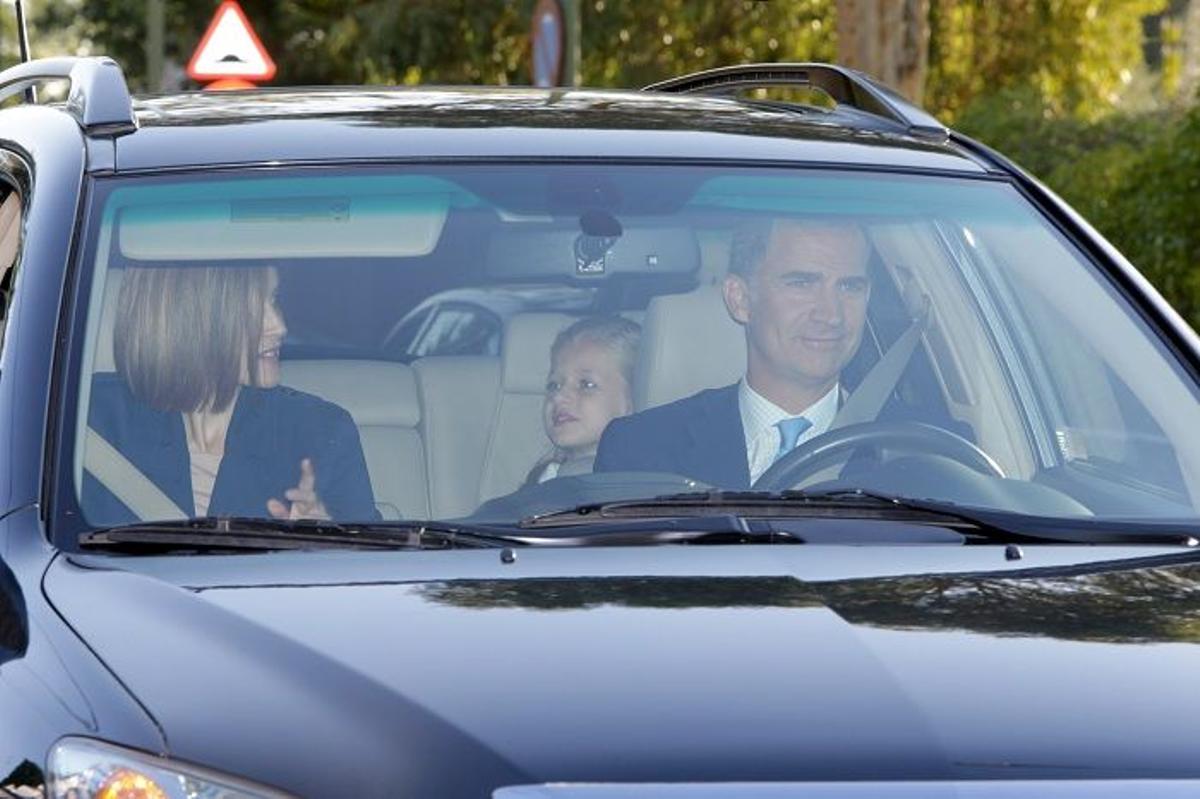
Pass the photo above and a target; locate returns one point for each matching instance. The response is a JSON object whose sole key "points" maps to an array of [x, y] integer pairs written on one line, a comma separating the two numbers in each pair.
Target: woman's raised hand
{"points": [[302, 501]]}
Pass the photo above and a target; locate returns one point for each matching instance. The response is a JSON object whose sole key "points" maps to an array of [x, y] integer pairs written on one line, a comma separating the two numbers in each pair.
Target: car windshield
{"points": [[492, 342]]}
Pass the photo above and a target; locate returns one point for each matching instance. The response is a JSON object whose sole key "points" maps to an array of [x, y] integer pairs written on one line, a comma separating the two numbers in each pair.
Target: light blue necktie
{"points": [[790, 431]]}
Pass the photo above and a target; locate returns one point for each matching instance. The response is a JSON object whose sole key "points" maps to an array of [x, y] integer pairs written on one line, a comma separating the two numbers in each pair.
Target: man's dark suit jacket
{"points": [[272, 429], [699, 437]]}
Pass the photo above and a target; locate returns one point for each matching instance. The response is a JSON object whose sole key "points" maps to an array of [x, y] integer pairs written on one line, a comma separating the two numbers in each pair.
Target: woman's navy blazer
{"points": [[271, 431]]}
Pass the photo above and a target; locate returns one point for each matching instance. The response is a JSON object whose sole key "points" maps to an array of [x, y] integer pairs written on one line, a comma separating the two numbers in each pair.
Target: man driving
{"points": [[799, 288]]}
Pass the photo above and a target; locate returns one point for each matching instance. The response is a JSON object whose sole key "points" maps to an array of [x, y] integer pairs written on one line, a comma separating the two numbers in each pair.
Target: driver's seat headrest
{"points": [[689, 343]]}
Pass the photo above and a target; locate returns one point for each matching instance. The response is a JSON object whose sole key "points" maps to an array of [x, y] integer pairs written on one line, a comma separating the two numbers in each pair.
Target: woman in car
{"points": [[196, 406], [590, 384]]}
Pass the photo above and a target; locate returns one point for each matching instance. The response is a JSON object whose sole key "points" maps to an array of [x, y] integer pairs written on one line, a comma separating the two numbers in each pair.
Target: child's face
{"points": [[585, 391]]}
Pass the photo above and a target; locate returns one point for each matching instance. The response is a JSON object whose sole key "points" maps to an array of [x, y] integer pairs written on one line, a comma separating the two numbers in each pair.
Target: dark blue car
{"points": [[867, 469]]}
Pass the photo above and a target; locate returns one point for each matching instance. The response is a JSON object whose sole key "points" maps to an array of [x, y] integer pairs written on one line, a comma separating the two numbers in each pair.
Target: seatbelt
{"points": [[127, 483], [866, 401]]}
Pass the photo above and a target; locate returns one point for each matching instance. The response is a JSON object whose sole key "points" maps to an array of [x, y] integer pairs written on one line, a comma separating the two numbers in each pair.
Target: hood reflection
{"points": [[632, 592], [1146, 605]]}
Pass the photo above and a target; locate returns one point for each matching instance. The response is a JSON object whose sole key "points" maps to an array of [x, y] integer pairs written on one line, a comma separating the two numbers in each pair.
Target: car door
{"points": [[42, 160]]}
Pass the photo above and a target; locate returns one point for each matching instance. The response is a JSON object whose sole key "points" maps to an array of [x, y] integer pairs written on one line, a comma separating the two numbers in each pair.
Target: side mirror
{"points": [[14, 620]]}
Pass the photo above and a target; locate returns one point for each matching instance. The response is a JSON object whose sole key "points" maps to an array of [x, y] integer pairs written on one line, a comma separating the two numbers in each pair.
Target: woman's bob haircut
{"points": [[186, 337]]}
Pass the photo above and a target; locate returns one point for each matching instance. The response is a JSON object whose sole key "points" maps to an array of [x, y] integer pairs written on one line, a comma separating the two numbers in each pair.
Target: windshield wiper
{"points": [[222, 534], [718, 517], [975, 523], [712, 529], [238, 533]]}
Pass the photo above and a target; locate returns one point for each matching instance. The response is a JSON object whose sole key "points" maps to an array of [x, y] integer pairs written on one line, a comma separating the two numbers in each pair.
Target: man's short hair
{"points": [[752, 238], [183, 335]]}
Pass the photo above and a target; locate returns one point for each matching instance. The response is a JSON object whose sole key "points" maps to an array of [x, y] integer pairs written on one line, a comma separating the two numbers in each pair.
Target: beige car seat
{"points": [[381, 398], [689, 343], [518, 437], [10, 244], [10, 231], [458, 403]]}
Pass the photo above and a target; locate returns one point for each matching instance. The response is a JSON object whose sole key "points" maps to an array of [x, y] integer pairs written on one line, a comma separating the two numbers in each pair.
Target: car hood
{"points": [[452, 673]]}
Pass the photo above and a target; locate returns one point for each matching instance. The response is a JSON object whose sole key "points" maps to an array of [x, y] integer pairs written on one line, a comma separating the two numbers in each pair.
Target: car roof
{"points": [[266, 126]]}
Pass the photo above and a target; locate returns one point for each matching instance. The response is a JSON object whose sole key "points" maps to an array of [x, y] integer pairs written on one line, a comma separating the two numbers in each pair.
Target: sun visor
{"points": [[312, 219], [572, 253], [859, 197]]}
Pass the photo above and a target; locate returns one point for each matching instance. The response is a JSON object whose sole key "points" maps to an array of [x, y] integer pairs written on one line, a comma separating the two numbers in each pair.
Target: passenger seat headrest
{"points": [[526, 354], [689, 343], [374, 392]]}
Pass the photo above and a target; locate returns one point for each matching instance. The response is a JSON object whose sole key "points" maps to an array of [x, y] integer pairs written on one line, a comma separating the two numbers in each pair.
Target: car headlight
{"points": [[80, 768]]}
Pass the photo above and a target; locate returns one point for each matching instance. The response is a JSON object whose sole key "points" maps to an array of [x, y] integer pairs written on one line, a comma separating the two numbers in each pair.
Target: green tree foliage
{"points": [[1150, 211], [1075, 55], [1015, 121], [631, 44], [8, 36], [1136, 177], [469, 41], [325, 41], [384, 41], [1043, 87]]}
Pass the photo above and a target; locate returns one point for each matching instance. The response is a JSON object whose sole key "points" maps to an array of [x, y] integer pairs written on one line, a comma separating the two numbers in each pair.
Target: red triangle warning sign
{"points": [[230, 49]]}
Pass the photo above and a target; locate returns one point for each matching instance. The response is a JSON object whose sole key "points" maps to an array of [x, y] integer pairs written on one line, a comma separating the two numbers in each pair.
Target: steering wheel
{"points": [[794, 467]]}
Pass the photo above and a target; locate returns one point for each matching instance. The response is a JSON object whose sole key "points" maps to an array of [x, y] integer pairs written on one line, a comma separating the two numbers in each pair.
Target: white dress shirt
{"points": [[550, 471], [760, 415]]}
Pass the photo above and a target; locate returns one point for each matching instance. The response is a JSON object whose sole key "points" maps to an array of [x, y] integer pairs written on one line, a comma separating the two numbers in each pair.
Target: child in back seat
{"points": [[590, 384]]}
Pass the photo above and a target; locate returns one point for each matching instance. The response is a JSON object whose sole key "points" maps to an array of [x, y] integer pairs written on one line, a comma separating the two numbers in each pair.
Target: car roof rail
{"points": [[844, 86], [99, 97]]}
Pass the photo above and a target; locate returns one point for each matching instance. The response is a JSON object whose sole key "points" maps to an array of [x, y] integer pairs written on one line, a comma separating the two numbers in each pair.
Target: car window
{"points": [[692, 327], [1104, 434], [459, 329], [401, 340]]}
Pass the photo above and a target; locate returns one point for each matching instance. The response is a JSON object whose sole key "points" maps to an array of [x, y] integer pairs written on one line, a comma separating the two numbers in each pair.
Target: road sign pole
{"points": [[155, 35], [23, 45], [572, 51]]}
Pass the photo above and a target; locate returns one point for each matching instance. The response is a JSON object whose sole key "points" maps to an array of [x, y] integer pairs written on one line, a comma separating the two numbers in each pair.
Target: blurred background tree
{"points": [[1077, 57], [458, 41], [888, 39], [631, 44], [1096, 97]]}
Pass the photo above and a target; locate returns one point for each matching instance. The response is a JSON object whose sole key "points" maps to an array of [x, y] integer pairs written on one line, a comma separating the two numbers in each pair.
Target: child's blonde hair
{"points": [[615, 332]]}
